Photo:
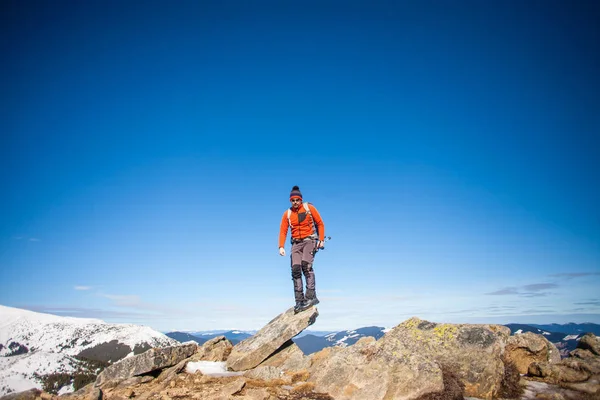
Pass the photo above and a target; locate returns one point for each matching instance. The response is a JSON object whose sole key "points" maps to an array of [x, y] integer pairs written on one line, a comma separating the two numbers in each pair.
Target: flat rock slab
{"points": [[148, 361], [252, 351]]}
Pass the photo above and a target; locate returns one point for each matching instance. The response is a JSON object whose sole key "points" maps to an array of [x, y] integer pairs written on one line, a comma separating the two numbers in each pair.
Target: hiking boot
{"points": [[312, 302], [300, 306]]}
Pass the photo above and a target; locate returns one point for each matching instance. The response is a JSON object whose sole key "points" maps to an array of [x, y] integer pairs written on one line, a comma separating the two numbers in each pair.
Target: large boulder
{"points": [[370, 371], [151, 360], [288, 357], [590, 342], [579, 372], [252, 351], [216, 349], [473, 352], [526, 348]]}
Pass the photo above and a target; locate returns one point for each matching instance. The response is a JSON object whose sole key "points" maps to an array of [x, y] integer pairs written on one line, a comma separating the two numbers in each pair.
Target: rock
{"points": [[254, 350], [169, 373], [565, 372], [592, 386], [475, 352], [30, 394], [232, 388], [288, 357], [267, 373], [590, 342], [216, 349], [146, 362], [88, 392], [582, 354], [525, 348], [256, 394], [374, 371]]}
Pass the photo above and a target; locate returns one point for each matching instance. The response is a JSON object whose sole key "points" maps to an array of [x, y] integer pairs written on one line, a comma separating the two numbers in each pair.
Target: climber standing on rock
{"points": [[308, 235]]}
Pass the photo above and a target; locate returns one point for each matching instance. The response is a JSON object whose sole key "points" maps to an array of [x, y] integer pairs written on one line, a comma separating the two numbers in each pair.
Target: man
{"points": [[308, 235]]}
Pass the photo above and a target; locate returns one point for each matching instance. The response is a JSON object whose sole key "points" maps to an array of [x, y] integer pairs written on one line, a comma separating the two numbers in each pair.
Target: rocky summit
{"points": [[252, 351], [416, 360]]}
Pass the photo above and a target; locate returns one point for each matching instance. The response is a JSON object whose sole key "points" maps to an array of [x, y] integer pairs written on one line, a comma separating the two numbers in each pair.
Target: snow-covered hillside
{"points": [[39, 343]]}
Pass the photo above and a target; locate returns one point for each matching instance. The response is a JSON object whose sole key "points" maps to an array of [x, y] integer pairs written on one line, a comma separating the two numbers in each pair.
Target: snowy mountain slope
{"points": [[348, 338], [35, 343], [310, 343], [28, 331]]}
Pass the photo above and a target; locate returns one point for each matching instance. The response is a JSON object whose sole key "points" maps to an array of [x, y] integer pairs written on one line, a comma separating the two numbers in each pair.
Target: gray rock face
{"points": [[369, 370], [474, 352], [267, 373], [579, 372], [288, 357], [30, 394], [252, 351], [216, 349], [590, 342], [149, 361], [526, 348]]}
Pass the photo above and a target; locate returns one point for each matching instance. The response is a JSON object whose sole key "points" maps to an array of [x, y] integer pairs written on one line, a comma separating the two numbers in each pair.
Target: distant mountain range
{"points": [[565, 337], [571, 328], [202, 337], [35, 346]]}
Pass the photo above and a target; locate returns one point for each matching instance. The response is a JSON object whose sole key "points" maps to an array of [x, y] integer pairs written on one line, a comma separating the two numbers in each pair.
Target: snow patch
{"points": [[66, 389], [210, 368]]}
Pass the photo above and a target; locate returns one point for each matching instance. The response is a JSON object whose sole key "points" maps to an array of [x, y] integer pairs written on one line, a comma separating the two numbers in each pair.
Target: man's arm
{"points": [[283, 229]]}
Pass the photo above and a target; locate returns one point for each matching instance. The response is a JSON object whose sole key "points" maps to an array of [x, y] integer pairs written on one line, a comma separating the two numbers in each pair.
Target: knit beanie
{"points": [[295, 193]]}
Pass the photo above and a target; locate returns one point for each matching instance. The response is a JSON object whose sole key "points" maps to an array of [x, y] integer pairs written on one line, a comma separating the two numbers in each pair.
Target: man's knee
{"points": [[306, 267], [296, 271]]}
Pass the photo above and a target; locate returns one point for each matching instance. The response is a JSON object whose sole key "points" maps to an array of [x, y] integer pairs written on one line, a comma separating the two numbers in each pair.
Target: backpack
{"points": [[315, 233]]}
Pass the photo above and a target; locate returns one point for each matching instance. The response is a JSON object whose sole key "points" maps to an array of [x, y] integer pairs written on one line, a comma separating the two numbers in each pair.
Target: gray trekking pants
{"points": [[302, 263]]}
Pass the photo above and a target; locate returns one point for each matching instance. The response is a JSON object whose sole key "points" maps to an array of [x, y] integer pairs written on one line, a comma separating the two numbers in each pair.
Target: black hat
{"points": [[295, 193]]}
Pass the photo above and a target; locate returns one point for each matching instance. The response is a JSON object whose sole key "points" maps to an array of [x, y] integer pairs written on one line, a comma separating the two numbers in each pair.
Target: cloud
{"points": [[537, 287], [532, 290], [82, 288], [27, 238], [505, 291], [80, 312], [530, 295], [589, 303], [134, 302], [124, 300], [571, 275]]}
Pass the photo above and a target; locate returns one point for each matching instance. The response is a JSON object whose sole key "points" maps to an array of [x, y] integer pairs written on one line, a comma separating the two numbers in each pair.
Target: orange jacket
{"points": [[305, 227]]}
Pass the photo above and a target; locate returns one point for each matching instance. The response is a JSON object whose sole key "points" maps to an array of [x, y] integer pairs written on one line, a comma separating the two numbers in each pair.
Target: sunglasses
{"points": [[296, 200]]}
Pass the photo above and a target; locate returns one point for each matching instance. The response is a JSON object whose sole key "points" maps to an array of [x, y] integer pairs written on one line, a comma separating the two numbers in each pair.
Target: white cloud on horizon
{"points": [[531, 290], [332, 316], [27, 238]]}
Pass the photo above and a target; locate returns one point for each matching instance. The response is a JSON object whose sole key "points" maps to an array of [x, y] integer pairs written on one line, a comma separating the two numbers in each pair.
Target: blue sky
{"points": [[148, 150]]}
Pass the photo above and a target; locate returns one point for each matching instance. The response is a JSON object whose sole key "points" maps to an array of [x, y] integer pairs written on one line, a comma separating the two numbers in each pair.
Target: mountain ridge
{"points": [[33, 345]]}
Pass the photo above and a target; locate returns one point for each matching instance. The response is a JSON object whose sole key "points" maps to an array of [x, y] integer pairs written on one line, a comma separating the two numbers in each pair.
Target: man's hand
{"points": [[281, 251], [321, 244]]}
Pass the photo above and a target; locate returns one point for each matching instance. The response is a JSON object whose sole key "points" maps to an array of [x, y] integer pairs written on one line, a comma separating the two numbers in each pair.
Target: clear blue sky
{"points": [[148, 148]]}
